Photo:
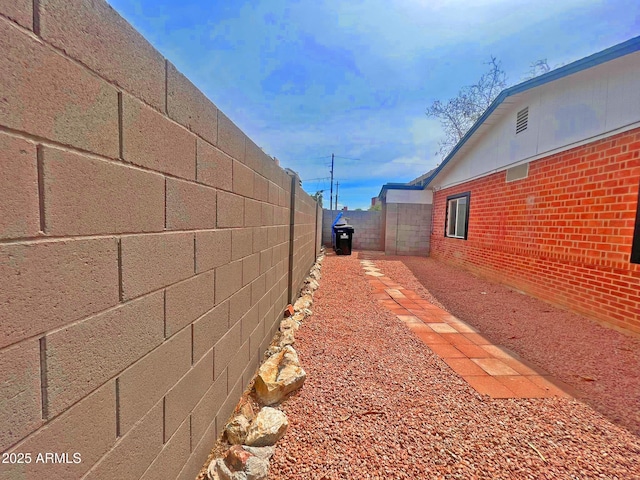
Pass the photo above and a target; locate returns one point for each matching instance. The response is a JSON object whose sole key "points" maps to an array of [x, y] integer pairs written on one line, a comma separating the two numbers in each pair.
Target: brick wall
{"points": [[563, 234], [367, 228], [407, 228], [144, 250]]}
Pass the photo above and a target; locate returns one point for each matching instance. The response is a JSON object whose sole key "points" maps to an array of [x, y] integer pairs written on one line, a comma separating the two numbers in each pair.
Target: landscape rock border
{"points": [[249, 438]]}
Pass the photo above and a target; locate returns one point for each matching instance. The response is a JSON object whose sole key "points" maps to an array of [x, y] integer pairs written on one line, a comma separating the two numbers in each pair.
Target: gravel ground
{"points": [[603, 365], [378, 404]]}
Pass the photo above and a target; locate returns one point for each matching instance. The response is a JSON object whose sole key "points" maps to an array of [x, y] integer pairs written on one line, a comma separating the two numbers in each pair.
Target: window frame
{"points": [[467, 196]]}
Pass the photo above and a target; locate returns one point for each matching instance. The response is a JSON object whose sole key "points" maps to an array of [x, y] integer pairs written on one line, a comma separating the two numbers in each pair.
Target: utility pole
{"points": [[337, 183]]}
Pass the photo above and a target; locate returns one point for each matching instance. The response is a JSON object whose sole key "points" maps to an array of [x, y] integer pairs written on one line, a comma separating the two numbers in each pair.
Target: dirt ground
{"points": [[379, 404], [603, 365]]}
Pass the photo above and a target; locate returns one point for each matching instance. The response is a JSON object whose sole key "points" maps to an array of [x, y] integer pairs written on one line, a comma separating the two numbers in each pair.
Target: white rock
{"points": [[218, 470], [287, 338], [278, 376], [303, 302], [247, 410], [306, 291], [265, 453], [272, 350], [237, 429], [289, 324], [257, 469], [268, 427], [313, 285]]}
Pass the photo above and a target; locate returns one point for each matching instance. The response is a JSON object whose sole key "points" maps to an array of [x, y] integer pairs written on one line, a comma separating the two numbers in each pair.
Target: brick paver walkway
{"points": [[489, 369]]}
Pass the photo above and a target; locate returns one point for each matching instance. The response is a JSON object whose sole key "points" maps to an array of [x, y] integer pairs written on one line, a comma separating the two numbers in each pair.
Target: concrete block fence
{"points": [[147, 251], [407, 229], [367, 225]]}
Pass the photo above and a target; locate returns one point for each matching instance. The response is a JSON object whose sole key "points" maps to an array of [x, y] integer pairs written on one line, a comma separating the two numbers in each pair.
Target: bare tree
{"points": [[459, 114], [540, 67], [537, 68]]}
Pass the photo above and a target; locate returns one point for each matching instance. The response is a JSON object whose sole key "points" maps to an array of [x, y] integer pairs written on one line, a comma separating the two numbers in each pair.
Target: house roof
{"points": [[422, 178], [630, 46], [397, 186]]}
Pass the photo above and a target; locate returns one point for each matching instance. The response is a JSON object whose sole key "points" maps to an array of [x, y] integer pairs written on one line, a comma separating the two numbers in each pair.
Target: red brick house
{"points": [[542, 192]]}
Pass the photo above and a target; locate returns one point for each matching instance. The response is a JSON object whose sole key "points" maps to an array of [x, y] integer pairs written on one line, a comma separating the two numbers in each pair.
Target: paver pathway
{"points": [[489, 369]]}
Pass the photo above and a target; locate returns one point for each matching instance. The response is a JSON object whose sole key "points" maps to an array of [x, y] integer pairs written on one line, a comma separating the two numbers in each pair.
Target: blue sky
{"points": [[307, 78]]}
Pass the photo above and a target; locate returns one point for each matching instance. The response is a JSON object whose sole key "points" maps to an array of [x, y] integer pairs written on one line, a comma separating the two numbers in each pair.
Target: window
{"points": [[635, 248], [457, 220]]}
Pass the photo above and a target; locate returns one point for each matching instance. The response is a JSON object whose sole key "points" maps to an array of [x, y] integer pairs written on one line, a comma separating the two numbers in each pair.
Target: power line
{"points": [[315, 179]]}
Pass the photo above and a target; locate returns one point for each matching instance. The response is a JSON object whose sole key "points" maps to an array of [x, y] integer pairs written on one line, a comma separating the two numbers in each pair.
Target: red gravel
{"points": [[603, 365], [378, 404]]}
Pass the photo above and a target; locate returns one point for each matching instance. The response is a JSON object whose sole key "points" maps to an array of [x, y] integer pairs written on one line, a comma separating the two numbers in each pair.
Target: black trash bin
{"points": [[343, 238]]}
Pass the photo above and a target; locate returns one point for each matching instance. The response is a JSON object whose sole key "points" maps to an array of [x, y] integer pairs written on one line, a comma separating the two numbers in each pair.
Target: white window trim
{"points": [[454, 200]]}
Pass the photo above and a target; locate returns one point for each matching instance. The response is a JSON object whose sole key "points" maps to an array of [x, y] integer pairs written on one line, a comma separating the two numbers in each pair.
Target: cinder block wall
{"points": [[367, 226], [319, 221], [407, 229], [304, 237], [144, 250], [563, 234]]}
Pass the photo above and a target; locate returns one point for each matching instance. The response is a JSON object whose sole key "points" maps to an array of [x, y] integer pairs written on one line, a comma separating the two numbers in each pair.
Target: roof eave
{"points": [[630, 46]]}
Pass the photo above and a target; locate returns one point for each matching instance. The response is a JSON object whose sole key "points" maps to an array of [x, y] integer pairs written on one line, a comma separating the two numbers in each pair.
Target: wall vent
{"points": [[522, 120], [518, 173]]}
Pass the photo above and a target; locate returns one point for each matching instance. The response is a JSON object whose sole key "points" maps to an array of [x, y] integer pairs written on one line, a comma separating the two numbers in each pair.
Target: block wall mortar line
{"points": [[36, 17], [218, 138], [43, 378], [34, 240], [213, 363], [166, 87], [164, 419], [42, 341], [113, 84], [120, 286], [41, 189], [164, 313], [118, 431], [192, 342], [45, 142], [120, 128]]}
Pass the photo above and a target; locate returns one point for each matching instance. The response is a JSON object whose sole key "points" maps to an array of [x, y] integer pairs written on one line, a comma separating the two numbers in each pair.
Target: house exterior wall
{"points": [[144, 250], [424, 197], [563, 234], [562, 114]]}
